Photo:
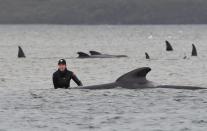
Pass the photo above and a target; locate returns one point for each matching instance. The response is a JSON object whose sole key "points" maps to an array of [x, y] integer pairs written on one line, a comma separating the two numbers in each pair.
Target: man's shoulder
{"points": [[70, 72], [56, 72]]}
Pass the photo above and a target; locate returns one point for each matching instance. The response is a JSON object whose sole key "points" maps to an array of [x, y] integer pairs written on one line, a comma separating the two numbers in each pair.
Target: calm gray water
{"points": [[29, 102]]}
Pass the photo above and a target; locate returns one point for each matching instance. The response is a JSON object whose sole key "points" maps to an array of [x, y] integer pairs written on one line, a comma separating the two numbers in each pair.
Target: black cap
{"points": [[62, 61]]}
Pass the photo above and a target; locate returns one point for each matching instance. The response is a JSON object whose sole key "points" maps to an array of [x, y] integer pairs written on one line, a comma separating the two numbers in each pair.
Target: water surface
{"points": [[29, 102]]}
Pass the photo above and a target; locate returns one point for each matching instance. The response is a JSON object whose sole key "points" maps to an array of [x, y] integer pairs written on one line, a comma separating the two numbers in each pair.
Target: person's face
{"points": [[61, 67]]}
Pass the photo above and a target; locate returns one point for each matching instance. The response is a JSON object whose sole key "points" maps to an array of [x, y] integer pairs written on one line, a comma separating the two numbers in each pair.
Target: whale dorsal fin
{"points": [[94, 52], [147, 55], [82, 55], [139, 73], [168, 46], [20, 53], [194, 51]]}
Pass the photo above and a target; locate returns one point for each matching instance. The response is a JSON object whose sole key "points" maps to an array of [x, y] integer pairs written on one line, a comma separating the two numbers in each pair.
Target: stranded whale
{"points": [[194, 51], [168, 46], [147, 55], [20, 53], [136, 79], [95, 54]]}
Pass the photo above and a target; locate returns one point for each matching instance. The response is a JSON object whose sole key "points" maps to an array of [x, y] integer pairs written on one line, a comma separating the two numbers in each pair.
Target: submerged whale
{"points": [[95, 54], [168, 46], [194, 51], [136, 79], [147, 55], [20, 53]]}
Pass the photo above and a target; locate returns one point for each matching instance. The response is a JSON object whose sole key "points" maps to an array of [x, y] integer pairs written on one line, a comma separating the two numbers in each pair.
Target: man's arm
{"points": [[54, 81], [77, 81]]}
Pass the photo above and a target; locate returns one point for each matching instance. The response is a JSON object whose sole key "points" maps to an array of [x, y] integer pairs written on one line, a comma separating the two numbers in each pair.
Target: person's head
{"points": [[62, 65]]}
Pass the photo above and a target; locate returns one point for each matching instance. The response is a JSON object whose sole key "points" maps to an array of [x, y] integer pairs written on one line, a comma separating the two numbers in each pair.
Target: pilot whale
{"points": [[168, 46], [194, 51], [95, 54], [147, 55], [20, 52], [136, 79]]}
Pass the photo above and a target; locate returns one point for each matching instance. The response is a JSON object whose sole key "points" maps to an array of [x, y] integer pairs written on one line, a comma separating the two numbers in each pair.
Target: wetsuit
{"points": [[61, 79]]}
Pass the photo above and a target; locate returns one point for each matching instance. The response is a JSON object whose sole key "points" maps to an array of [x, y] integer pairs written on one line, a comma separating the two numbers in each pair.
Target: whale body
{"points": [[168, 46], [136, 79], [147, 55], [95, 54], [194, 51], [20, 53]]}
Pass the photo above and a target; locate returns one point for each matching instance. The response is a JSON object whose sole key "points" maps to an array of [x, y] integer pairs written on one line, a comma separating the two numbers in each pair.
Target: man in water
{"points": [[62, 77]]}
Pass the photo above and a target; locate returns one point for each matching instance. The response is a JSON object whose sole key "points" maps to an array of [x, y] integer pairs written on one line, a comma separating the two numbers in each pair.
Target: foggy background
{"points": [[103, 11]]}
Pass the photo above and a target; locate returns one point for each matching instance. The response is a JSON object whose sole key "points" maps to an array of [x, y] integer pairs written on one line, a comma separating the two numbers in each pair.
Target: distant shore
{"points": [[107, 12]]}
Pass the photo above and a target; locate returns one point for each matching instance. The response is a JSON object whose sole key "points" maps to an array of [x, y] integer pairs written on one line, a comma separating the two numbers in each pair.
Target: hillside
{"points": [[103, 11]]}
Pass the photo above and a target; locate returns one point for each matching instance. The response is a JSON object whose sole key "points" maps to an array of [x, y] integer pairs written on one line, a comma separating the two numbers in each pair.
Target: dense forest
{"points": [[103, 11]]}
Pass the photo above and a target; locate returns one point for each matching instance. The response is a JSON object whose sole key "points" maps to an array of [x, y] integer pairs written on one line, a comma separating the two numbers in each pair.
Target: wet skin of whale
{"points": [[136, 79]]}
